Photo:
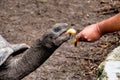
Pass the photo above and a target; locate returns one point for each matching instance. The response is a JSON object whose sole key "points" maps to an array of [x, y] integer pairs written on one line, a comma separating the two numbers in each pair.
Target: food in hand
{"points": [[71, 31]]}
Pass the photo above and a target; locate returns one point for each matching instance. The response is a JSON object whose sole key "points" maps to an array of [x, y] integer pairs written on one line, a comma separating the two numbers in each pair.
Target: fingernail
{"points": [[89, 39], [76, 36], [85, 37]]}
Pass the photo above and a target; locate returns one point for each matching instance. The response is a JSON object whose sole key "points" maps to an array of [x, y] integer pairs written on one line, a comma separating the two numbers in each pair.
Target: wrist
{"points": [[99, 29]]}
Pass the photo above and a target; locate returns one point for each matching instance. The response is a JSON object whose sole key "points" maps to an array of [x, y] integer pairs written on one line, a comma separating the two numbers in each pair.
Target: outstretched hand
{"points": [[90, 33]]}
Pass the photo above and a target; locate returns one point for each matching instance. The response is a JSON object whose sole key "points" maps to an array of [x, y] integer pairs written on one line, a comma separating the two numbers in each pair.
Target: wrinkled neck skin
{"points": [[17, 68]]}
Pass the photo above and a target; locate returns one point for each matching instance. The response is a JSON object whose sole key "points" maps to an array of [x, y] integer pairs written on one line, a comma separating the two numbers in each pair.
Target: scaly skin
{"points": [[17, 67], [6, 49]]}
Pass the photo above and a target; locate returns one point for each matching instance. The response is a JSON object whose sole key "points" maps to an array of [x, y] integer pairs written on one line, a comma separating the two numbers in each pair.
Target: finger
{"points": [[83, 39], [78, 36]]}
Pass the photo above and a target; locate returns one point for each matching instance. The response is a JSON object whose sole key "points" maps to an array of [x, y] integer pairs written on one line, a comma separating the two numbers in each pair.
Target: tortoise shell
{"points": [[6, 49]]}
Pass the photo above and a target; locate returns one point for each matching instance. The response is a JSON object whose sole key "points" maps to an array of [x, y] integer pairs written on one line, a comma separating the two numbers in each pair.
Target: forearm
{"points": [[110, 25]]}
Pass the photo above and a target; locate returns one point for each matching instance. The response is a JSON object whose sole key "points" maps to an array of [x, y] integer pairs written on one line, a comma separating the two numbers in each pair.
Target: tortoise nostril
{"points": [[57, 29]]}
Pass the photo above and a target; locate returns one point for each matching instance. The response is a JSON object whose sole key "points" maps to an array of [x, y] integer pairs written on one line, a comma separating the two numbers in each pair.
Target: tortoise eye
{"points": [[57, 29]]}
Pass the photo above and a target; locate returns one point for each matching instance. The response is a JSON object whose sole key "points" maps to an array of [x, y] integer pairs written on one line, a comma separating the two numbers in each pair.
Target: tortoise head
{"points": [[56, 36]]}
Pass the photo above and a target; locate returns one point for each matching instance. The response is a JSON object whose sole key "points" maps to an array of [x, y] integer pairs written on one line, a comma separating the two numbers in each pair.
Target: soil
{"points": [[26, 20]]}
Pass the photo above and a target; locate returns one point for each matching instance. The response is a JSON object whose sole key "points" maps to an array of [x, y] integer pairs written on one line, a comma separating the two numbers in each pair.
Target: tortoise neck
{"points": [[30, 61]]}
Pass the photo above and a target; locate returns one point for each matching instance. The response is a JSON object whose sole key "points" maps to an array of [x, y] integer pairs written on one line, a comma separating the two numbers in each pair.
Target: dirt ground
{"points": [[26, 20]]}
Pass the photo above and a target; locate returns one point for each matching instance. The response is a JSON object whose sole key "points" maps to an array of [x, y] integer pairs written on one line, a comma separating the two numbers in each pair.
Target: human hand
{"points": [[90, 33]]}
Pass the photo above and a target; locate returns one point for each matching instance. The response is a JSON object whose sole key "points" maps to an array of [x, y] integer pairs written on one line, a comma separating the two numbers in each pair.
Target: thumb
{"points": [[80, 37]]}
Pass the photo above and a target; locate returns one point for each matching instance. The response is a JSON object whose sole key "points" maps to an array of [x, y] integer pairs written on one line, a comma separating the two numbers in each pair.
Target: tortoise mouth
{"points": [[64, 32]]}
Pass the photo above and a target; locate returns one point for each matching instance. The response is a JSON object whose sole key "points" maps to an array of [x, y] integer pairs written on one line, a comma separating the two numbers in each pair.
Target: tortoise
{"points": [[6, 49], [16, 65]]}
